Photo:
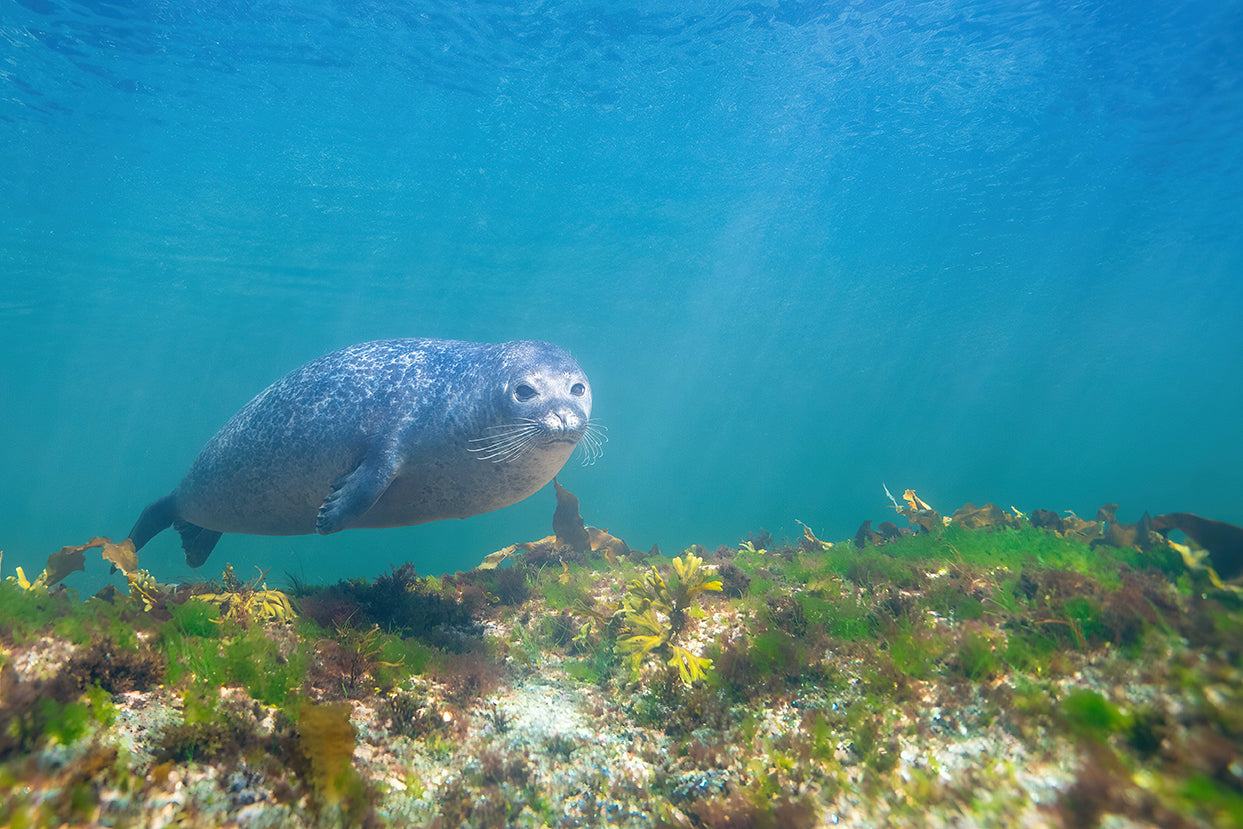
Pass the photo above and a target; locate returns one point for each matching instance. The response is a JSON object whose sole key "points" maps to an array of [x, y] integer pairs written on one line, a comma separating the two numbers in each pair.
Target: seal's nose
{"points": [[564, 420]]}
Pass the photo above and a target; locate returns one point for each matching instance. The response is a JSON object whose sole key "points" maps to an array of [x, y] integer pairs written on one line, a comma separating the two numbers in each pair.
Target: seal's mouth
{"points": [[557, 440], [510, 441]]}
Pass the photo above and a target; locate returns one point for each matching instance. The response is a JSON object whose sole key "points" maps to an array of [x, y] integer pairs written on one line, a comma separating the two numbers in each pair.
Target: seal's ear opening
{"points": [[157, 517]]}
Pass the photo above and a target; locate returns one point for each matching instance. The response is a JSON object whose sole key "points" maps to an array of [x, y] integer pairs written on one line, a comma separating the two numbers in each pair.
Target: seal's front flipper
{"points": [[354, 493], [157, 517], [196, 541]]}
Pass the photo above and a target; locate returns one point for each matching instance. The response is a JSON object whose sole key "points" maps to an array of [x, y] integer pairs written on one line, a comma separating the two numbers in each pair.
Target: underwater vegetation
{"points": [[992, 666], [654, 611]]}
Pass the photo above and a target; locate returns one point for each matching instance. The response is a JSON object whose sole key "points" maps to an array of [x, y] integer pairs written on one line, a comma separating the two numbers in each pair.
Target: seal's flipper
{"points": [[196, 541], [157, 517], [354, 493]]}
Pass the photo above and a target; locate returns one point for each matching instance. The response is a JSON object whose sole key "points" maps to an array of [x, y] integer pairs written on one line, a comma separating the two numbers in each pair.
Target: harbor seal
{"points": [[383, 434]]}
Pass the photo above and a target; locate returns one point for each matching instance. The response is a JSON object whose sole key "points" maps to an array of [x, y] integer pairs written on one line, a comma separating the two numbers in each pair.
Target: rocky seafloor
{"points": [[986, 669]]}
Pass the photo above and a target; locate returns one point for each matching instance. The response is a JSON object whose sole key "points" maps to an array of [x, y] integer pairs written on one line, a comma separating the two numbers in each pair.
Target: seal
{"points": [[383, 434]]}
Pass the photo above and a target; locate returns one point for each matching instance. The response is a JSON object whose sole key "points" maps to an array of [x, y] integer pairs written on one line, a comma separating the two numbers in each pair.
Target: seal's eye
{"points": [[523, 392], [578, 389]]}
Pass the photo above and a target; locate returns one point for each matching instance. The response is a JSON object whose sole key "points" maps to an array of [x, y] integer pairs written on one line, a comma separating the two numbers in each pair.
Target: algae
{"points": [[654, 612], [934, 675]]}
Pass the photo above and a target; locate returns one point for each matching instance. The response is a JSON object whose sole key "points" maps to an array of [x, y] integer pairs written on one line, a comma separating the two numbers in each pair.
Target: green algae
{"points": [[914, 652], [1008, 629], [1088, 714], [583, 672], [398, 658], [192, 619], [1221, 800], [30, 613], [204, 651], [977, 659], [568, 594]]}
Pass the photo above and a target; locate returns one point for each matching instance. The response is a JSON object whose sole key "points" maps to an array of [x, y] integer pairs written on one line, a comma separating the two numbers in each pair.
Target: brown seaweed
{"points": [[1047, 519], [567, 524], [988, 516], [70, 559], [1117, 534], [571, 538], [864, 534], [923, 518], [67, 560], [889, 530], [327, 739], [809, 542], [607, 545], [916, 504], [1075, 527], [121, 555]]}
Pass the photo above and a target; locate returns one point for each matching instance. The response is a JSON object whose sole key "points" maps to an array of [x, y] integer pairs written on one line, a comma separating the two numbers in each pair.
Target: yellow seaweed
{"points": [[327, 739]]}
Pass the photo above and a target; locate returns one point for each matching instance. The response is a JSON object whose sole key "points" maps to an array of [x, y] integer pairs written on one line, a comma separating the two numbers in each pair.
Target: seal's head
{"points": [[544, 405]]}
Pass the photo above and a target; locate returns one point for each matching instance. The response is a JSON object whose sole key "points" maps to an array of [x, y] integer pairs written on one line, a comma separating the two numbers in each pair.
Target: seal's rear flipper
{"points": [[196, 541], [158, 516]]}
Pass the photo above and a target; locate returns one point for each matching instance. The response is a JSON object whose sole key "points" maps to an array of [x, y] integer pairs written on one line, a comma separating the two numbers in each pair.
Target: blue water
{"points": [[991, 251]]}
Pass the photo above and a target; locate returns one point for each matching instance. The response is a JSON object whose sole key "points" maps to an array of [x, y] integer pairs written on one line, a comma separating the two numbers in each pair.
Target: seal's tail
{"points": [[159, 516], [196, 541]]}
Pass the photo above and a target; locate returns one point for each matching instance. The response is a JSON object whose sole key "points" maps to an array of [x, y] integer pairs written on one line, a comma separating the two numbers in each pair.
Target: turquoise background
{"points": [[988, 251]]}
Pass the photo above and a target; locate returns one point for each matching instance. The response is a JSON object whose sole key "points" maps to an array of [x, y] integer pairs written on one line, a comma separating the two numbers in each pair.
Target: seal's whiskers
{"points": [[592, 443], [510, 441]]}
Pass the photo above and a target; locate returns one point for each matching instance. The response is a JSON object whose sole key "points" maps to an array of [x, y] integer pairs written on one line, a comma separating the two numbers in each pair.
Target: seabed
{"points": [[985, 669]]}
